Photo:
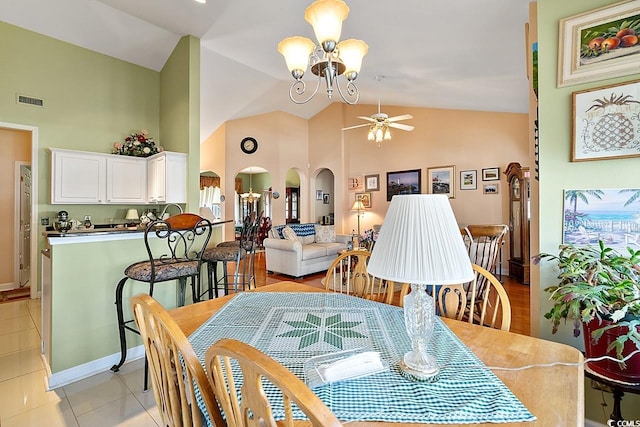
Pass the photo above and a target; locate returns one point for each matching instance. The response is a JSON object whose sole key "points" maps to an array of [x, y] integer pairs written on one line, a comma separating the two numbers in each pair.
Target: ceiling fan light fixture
{"points": [[387, 134], [329, 59]]}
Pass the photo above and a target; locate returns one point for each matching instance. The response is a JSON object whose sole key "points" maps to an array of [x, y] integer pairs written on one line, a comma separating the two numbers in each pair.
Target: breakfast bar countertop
{"points": [[106, 229]]}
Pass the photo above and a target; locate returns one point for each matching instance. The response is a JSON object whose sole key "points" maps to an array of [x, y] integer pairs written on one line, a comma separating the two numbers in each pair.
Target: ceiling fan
{"points": [[379, 124]]}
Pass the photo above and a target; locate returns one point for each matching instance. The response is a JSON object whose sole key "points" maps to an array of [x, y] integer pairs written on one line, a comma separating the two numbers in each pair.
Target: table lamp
{"points": [[358, 206], [132, 215], [420, 244]]}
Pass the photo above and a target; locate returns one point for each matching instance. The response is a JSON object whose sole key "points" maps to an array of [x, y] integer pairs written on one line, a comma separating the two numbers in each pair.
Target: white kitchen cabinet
{"points": [[167, 178], [80, 177], [77, 177], [126, 179]]}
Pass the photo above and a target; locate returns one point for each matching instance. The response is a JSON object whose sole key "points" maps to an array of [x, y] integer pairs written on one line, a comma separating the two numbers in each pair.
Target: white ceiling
{"points": [[454, 54]]}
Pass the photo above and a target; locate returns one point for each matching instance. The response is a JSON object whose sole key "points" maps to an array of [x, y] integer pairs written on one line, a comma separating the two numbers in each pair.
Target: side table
{"points": [[618, 389]]}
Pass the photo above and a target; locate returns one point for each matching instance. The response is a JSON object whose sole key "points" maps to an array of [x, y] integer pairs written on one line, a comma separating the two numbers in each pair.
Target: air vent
{"points": [[29, 100]]}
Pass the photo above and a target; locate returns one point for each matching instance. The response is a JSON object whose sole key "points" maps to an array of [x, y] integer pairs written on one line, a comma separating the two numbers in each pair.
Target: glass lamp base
{"points": [[429, 374]]}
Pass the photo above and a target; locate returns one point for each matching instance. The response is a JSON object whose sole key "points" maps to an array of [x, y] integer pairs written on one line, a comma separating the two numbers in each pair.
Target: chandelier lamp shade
{"points": [[420, 244], [329, 58]]}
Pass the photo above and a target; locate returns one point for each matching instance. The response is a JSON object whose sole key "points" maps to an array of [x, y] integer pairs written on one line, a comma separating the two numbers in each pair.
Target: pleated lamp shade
{"points": [[420, 243]]}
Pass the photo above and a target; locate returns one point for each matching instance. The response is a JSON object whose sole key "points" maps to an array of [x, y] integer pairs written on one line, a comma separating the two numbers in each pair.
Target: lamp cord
{"points": [[545, 365]]}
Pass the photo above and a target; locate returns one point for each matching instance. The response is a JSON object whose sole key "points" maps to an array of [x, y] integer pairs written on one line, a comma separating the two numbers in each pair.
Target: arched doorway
{"points": [[292, 197], [324, 199]]}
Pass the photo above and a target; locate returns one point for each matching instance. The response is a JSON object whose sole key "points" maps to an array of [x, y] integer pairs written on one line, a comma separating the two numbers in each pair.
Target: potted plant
{"points": [[599, 291]]}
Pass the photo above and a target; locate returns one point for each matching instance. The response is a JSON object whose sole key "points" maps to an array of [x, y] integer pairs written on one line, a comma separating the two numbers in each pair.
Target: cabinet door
{"points": [[77, 177], [156, 168], [126, 180], [167, 178]]}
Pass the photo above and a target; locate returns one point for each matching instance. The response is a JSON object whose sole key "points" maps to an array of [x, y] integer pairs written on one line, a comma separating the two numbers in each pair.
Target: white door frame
{"points": [[33, 280]]}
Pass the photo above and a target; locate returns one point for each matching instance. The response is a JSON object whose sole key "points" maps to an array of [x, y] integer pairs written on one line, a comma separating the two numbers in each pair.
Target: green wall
{"points": [[180, 110], [92, 100], [558, 173]]}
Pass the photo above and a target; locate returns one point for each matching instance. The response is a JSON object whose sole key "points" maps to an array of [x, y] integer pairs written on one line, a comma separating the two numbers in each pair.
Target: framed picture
{"points": [[599, 44], [365, 198], [491, 174], [442, 180], [318, 194], [356, 183], [469, 180], [491, 188], [403, 182], [610, 215], [326, 199], [606, 122], [372, 182]]}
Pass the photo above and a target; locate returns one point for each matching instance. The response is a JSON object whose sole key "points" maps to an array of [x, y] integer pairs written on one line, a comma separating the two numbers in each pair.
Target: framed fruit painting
{"points": [[606, 122], [599, 44]]}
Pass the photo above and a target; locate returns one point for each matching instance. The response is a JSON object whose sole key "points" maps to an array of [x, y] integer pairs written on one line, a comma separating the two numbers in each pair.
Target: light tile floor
{"points": [[103, 400]]}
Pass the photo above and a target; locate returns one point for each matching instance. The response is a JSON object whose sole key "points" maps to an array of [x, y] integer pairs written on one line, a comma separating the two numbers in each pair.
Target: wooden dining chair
{"points": [[252, 407], [347, 274], [492, 308], [174, 367]]}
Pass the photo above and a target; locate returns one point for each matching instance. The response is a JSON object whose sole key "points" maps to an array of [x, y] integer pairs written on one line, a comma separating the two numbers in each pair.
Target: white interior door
{"points": [[25, 225]]}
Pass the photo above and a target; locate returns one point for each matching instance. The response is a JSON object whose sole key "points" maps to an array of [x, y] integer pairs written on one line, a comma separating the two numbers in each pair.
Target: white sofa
{"points": [[305, 253]]}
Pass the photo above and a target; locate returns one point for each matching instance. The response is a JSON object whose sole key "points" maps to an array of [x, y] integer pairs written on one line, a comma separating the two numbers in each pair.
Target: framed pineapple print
{"points": [[606, 122]]}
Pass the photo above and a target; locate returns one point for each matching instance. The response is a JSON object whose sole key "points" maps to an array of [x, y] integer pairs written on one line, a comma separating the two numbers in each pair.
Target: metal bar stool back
{"points": [[234, 251], [184, 238]]}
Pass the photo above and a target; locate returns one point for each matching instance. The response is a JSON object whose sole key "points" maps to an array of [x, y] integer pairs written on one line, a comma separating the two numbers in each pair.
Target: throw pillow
{"points": [[325, 234], [289, 234]]}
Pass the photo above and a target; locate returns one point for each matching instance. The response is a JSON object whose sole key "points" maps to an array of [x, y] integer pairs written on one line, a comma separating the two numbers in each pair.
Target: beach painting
{"points": [[610, 215]]}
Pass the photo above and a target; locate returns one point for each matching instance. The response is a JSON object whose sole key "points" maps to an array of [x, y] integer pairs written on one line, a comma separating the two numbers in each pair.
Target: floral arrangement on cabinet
{"points": [[137, 145]]}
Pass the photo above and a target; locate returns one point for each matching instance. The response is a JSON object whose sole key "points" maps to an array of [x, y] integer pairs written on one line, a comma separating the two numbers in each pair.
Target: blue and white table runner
{"points": [[292, 327]]}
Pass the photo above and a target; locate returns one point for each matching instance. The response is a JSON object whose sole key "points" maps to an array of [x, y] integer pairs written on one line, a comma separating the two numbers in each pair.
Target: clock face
{"points": [[249, 145]]}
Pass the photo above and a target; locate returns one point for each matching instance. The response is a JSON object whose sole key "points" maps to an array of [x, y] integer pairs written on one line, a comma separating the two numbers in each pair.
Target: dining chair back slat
{"points": [[347, 274], [173, 366], [252, 407]]}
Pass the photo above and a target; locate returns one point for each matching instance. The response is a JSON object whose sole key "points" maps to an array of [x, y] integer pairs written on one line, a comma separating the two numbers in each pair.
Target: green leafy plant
{"points": [[597, 283]]}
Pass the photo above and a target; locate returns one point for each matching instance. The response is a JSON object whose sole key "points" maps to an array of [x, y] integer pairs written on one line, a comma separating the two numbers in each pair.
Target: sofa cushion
{"points": [[325, 233], [307, 240], [313, 250], [274, 234], [300, 229], [332, 248], [289, 234]]}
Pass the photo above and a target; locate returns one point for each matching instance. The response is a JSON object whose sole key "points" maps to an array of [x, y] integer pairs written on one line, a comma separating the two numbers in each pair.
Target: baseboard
{"points": [[7, 286], [71, 375]]}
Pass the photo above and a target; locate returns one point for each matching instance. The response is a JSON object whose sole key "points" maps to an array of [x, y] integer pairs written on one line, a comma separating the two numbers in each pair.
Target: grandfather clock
{"points": [[519, 217]]}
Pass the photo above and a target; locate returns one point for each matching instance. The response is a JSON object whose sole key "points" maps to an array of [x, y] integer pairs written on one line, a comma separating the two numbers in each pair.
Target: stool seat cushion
{"points": [[223, 253], [230, 243], [168, 269]]}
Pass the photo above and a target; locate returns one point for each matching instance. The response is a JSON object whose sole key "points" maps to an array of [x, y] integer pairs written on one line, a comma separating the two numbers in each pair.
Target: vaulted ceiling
{"points": [[454, 54]]}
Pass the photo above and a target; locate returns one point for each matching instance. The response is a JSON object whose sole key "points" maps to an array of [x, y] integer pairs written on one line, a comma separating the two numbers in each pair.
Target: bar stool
{"points": [[185, 237], [239, 251]]}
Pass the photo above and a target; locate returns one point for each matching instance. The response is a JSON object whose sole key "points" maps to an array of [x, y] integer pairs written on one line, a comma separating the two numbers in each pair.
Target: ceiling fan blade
{"points": [[401, 126], [369, 119], [356, 126], [402, 117]]}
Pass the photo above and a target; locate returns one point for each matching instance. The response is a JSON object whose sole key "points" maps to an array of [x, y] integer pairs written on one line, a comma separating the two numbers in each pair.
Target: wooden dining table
{"points": [[553, 394]]}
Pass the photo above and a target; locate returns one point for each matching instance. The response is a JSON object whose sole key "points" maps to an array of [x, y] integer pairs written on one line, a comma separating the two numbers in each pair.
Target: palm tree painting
{"points": [[610, 215]]}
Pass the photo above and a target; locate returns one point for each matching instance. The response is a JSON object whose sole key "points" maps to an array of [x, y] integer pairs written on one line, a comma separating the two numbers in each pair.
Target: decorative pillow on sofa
{"points": [[289, 234], [325, 234]]}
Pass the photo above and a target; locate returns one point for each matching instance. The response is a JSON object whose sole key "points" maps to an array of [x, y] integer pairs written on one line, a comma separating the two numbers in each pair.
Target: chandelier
{"points": [[250, 196], [329, 58]]}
